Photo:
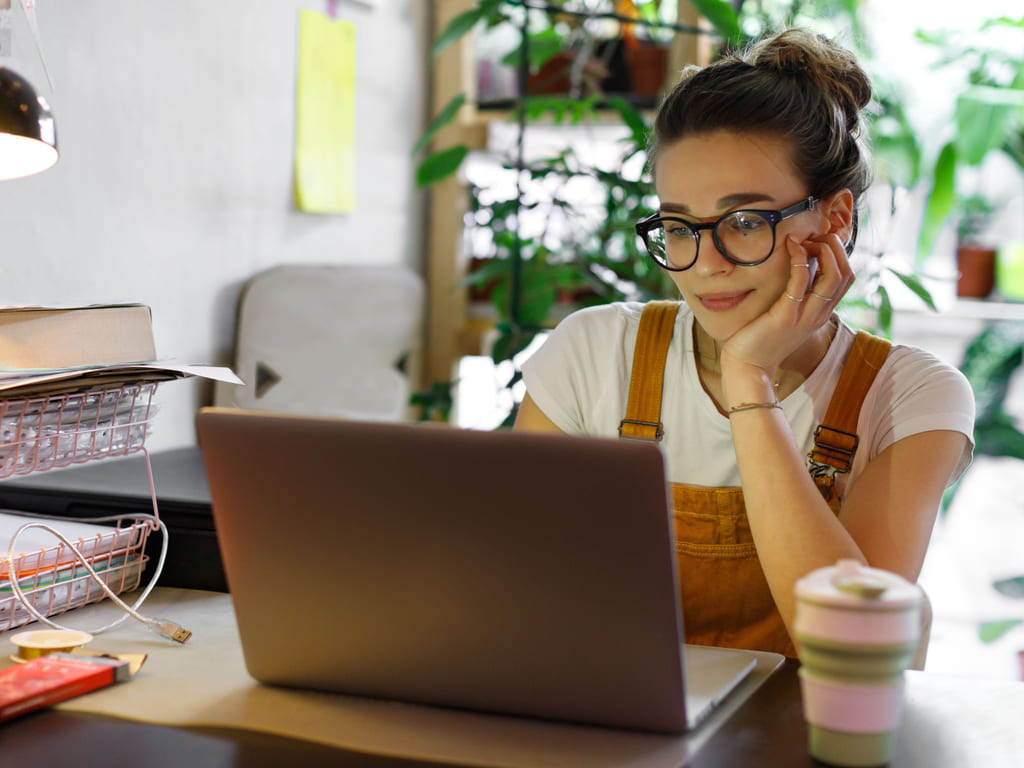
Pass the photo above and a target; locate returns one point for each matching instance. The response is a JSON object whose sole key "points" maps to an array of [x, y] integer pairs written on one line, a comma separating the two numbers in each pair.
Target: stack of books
{"points": [[76, 383], [67, 349]]}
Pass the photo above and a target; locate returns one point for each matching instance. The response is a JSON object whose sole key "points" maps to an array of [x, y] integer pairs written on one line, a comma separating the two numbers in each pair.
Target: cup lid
{"points": [[850, 583]]}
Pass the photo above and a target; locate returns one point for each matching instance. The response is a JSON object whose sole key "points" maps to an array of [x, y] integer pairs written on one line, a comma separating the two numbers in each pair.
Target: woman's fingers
{"points": [[832, 280], [805, 272], [802, 269]]}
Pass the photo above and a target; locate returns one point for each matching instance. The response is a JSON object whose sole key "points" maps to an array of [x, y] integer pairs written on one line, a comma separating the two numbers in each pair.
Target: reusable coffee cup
{"points": [[857, 629]]}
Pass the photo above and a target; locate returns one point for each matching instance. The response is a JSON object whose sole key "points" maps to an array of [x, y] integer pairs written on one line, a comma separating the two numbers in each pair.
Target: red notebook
{"points": [[50, 679]]}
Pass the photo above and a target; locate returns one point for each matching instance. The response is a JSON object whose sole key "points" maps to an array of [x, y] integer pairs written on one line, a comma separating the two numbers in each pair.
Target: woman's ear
{"points": [[838, 211]]}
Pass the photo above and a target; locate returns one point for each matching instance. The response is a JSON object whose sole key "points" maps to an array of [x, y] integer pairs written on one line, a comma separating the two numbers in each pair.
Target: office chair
{"points": [[326, 340]]}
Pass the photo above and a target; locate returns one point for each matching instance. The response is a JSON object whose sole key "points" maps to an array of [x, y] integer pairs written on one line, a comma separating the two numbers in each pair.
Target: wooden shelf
{"points": [[977, 309]]}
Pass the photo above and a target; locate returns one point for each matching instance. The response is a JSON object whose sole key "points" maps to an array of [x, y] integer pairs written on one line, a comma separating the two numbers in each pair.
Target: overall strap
{"points": [[835, 439], [643, 408]]}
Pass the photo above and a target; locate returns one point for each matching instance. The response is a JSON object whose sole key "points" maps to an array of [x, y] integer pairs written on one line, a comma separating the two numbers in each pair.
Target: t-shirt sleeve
{"points": [[922, 394], [568, 373]]}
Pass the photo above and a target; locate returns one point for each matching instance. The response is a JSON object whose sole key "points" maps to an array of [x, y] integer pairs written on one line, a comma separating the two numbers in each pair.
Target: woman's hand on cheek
{"points": [[827, 286], [819, 276]]}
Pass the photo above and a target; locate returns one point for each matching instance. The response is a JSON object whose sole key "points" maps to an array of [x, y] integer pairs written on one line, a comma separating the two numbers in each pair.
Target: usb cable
{"points": [[163, 627]]}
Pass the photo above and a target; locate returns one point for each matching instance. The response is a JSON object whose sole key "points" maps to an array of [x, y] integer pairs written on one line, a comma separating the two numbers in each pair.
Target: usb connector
{"points": [[170, 630]]}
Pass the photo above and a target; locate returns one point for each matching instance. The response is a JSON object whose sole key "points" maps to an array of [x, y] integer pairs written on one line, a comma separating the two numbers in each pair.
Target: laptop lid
{"points": [[510, 572]]}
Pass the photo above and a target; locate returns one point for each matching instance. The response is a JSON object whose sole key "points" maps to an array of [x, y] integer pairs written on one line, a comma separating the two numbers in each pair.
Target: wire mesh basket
{"points": [[54, 590], [58, 430]]}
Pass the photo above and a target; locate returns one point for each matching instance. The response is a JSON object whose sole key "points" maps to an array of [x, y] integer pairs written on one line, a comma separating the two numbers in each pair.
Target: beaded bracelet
{"points": [[752, 406]]}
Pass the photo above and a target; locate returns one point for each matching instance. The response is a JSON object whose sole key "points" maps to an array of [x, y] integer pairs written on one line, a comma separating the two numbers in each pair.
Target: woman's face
{"points": [[703, 177]]}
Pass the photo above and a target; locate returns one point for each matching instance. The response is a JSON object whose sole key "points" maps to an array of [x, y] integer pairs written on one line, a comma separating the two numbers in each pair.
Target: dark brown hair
{"points": [[796, 85]]}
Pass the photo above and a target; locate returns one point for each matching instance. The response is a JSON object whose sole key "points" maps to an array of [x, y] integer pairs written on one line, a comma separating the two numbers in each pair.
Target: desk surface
{"points": [[195, 703]]}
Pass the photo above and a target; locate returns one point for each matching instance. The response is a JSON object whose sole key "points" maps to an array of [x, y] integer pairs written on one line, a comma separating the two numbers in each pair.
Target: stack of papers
{"points": [[31, 382], [50, 575], [58, 430]]}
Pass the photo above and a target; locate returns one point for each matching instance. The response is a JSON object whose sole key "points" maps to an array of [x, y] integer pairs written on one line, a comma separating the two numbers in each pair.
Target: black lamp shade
{"points": [[28, 134]]}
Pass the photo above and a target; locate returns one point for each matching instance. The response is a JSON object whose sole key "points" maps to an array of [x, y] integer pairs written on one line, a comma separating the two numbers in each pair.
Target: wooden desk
{"points": [[194, 705]]}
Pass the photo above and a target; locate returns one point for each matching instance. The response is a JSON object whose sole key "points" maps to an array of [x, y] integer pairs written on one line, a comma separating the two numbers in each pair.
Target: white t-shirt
{"points": [[579, 378]]}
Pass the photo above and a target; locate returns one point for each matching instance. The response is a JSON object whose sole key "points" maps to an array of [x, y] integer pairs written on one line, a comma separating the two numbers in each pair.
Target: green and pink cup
{"points": [[857, 629]]}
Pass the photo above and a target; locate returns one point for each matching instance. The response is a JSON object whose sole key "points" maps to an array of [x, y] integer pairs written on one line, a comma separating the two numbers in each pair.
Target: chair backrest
{"points": [[326, 340]]}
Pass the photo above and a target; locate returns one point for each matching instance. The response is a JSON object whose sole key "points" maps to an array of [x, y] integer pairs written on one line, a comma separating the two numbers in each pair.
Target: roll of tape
{"points": [[42, 642]]}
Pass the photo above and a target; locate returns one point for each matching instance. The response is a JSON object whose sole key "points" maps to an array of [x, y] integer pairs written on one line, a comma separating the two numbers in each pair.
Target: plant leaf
{"points": [[444, 117], [542, 48], [989, 363], [984, 116], [1010, 587], [440, 165], [492, 269], [997, 438], [536, 297], [991, 631], [632, 118], [895, 145], [510, 343], [438, 398], [940, 201], [914, 283], [458, 27], [723, 18], [884, 312]]}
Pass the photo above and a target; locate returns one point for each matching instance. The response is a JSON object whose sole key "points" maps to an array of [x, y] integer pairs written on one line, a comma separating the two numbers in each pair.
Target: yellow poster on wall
{"points": [[325, 150]]}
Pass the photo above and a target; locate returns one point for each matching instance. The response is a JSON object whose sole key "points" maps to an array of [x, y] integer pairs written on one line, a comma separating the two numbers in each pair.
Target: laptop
{"points": [[506, 572]]}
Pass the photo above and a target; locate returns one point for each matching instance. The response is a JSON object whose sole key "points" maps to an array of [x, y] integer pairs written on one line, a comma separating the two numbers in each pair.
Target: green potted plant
{"points": [[988, 114], [647, 47], [576, 257], [591, 257], [616, 48]]}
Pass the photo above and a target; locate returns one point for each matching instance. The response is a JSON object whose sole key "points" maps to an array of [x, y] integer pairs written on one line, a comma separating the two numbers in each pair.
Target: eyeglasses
{"points": [[746, 238]]}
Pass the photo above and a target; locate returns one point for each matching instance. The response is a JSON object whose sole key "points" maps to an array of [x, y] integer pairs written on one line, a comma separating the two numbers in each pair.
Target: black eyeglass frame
{"points": [[772, 217]]}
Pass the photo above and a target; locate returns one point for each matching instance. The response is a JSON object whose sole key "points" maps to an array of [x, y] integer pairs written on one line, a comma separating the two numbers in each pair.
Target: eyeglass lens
{"points": [[745, 237]]}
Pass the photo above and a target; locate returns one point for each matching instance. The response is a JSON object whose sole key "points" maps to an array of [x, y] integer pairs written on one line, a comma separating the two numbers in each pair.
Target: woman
{"points": [[759, 172]]}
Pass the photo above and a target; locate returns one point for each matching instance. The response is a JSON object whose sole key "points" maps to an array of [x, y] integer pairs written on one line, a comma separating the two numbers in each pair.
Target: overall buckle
{"points": [[659, 430]]}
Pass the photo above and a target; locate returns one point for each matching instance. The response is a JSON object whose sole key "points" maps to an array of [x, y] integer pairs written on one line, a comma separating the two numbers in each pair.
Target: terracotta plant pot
{"points": [[977, 268], [647, 65], [553, 77], [607, 72]]}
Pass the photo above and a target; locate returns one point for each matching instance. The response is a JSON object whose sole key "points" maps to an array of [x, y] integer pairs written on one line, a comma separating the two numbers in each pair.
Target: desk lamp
{"points": [[28, 134]]}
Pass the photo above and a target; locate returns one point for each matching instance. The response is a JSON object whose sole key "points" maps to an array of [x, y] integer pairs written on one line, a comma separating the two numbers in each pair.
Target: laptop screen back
{"points": [[516, 573]]}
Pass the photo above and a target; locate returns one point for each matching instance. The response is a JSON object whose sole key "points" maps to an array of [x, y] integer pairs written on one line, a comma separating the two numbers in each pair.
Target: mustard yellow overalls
{"points": [[725, 597]]}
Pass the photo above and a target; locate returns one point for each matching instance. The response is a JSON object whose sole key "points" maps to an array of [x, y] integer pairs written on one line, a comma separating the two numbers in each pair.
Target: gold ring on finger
{"points": [[794, 298], [826, 298]]}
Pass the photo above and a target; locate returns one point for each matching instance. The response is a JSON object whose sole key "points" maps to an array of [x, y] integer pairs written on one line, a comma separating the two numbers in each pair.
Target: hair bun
{"points": [[789, 59], [833, 69]]}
